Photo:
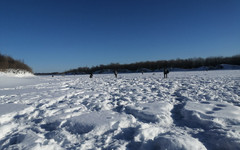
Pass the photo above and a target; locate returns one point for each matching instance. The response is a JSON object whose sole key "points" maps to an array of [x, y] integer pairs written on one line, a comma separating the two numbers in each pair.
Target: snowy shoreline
{"points": [[189, 110]]}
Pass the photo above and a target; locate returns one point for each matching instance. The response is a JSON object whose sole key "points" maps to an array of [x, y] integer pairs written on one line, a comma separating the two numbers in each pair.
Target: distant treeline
{"points": [[7, 62], [211, 62]]}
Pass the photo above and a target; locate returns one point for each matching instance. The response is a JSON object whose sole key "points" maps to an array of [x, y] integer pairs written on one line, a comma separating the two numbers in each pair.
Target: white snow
{"points": [[219, 119], [189, 110], [10, 78], [15, 73]]}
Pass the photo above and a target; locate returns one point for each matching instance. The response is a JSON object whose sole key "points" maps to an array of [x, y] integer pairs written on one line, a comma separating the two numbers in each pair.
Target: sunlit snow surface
{"points": [[189, 110]]}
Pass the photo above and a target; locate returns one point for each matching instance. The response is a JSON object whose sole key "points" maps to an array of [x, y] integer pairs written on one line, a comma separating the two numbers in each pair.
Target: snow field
{"points": [[189, 110]]}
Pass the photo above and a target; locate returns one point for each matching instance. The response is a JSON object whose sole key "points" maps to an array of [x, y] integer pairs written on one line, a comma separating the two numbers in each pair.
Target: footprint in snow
{"points": [[217, 109], [210, 112], [221, 105], [205, 102]]}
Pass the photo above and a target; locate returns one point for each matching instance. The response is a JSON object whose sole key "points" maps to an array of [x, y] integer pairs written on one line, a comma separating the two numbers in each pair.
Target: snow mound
{"points": [[220, 120], [152, 112], [97, 121], [173, 141], [211, 114]]}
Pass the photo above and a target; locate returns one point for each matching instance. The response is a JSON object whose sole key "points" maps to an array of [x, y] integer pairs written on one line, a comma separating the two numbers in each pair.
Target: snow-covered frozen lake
{"points": [[189, 110]]}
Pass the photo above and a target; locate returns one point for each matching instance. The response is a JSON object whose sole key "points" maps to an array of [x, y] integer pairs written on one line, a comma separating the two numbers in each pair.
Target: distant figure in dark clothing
{"points": [[115, 73], [165, 72], [91, 75]]}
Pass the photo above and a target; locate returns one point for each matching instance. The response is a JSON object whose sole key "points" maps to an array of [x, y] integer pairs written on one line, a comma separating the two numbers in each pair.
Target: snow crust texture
{"points": [[189, 110]]}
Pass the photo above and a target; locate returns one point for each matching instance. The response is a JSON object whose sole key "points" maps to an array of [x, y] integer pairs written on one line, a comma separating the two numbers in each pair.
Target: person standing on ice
{"points": [[115, 73], [165, 72], [91, 75]]}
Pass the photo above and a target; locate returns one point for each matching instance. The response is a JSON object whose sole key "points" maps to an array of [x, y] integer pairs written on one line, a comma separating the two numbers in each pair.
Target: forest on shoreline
{"points": [[151, 66], [7, 62]]}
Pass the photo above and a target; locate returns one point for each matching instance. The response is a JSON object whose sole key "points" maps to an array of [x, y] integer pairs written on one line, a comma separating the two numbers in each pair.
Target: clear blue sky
{"points": [[58, 35]]}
